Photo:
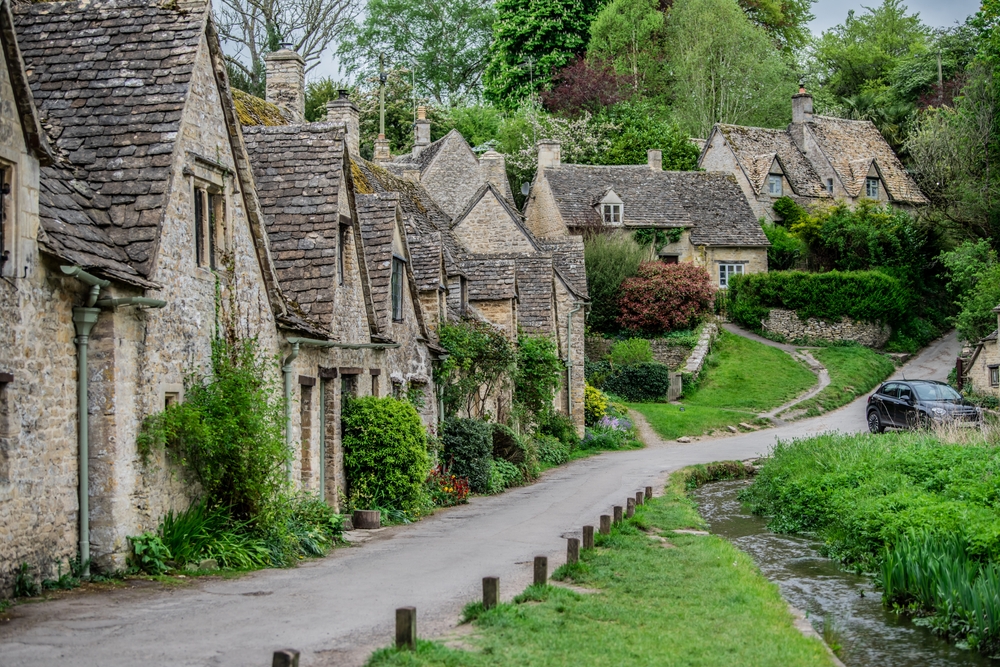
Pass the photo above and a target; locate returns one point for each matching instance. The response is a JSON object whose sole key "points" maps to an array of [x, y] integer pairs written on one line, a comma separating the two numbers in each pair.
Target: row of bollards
{"points": [[406, 617]]}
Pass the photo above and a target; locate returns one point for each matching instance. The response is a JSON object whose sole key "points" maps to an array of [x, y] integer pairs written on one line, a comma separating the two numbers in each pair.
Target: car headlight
{"points": [[940, 412]]}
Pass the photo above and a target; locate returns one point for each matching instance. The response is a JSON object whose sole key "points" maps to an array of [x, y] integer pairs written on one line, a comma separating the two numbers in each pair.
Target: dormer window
{"points": [[774, 187], [612, 214], [871, 187]]}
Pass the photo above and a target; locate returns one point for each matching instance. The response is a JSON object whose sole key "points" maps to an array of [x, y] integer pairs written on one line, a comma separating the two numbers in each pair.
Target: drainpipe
{"points": [[569, 357]]}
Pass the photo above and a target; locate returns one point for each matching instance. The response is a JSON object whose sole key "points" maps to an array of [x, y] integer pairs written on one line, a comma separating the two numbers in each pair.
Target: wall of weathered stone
{"points": [[488, 228], [978, 372], [786, 323], [453, 176], [673, 355], [541, 214], [570, 334]]}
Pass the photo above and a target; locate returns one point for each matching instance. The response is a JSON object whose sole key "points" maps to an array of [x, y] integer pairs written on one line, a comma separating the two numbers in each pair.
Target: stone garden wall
{"points": [[787, 323], [672, 355]]}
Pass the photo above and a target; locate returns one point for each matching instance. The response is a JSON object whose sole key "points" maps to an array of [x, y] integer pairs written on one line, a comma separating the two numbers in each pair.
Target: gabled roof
{"points": [[507, 207], [718, 209], [534, 293], [426, 259], [491, 278], [377, 215], [578, 188], [34, 135], [756, 147], [567, 257], [847, 144]]}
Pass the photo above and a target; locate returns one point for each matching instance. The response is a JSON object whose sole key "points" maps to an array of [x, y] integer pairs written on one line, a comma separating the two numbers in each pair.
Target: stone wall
{"points": [[786, 323], [489, 228], [672, 355]]}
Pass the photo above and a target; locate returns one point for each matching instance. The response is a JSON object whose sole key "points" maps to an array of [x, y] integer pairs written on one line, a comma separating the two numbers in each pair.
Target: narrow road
{"points": [[338, 609]]}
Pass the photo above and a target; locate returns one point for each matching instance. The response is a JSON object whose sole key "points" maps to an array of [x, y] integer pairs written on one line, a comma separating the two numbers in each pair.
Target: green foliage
{"points": [[974, 284], [867, 296], [149, 554], [201, 532], [25, 584], [633, 126], [480, 362], [228, 433], [628, 34], [785, 20], [609, 259], [854, 371], [561, 427], [595, 404], [790, 212], [385, 453], [538, 375], [503, 475], [631, 351], [318, 93], [725, 69], [478, 123], [551, 451], [468, 450], [639, 382], [786, 249], [657, 238], [508, 446]]}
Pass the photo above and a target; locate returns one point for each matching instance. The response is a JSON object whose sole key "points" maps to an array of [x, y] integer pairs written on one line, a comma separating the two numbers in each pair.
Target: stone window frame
{"points": [[727, 269], [396, 279], [871, 187], [994, 373], [829, 185], [775, 186], [210, 191], [8, 218]]}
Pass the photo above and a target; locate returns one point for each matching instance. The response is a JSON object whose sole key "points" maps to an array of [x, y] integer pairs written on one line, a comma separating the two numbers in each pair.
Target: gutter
{"points": [[84, 319]]}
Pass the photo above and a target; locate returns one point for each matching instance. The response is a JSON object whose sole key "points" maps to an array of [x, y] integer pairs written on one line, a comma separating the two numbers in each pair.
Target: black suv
{"points": [[917, 404]]}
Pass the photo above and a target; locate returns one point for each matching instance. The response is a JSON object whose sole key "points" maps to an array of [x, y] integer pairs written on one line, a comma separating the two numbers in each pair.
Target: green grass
{"points": [[853, 371], [670, 423], [703, 603]]}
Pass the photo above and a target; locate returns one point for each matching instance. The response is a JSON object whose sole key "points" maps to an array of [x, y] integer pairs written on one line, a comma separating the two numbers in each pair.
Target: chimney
{"points": [[493, 169], [382, 149], [286, 82], [654, 158], [343, 110], [422, 132], [802, 106], [548, 153]]}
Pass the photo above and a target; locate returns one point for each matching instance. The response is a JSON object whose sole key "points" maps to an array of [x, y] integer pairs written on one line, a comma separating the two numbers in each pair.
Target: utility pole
{"points": [[382, 77], [940, 81]]}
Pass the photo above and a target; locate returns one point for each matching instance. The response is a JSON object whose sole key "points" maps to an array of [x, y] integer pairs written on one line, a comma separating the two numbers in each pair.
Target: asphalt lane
{"points": [[338, 609]]}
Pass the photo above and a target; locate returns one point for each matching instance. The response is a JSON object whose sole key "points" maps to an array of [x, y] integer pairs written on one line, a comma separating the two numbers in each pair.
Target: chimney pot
{"points": [[802, 106], [285, 71], [343, 110], [421, 113], [549, 153], [654, 158]]}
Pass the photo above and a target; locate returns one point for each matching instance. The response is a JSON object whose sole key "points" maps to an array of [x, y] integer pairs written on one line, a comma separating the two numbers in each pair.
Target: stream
{"points": [[867, 633]]}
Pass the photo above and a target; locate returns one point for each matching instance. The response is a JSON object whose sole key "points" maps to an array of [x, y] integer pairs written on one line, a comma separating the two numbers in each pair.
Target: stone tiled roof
{"points": [[425, 259], [851, 145], [567, 256], [718, 209], [755, 149], [377, 215], [491, 278], [298, 170], [110, 79], [252, 110], [647, 203], [992, 336], [534, 293]]}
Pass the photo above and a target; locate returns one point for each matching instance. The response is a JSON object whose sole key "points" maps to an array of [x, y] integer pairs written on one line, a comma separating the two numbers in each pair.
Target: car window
{"points": [[891, 390], [936, 392], [905, 392]]}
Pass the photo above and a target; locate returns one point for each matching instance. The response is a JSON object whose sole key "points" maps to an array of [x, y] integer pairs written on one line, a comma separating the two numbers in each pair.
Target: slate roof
{"points": [[718, 208], [755, 149], [110, 79], [491, 278], [567, 259], [578, 188], [851, 145], [377, 215], [298, 169], [425, 259], [534, 293]]}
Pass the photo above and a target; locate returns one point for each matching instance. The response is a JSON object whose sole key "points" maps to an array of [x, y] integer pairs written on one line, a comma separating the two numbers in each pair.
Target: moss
{"points": [[361, 184], [255, 111]]}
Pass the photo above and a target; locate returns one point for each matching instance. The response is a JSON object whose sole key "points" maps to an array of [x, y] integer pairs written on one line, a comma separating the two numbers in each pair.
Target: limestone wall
{"points": [[672, 355], [978, 373], [786, 323], [489, 228]]}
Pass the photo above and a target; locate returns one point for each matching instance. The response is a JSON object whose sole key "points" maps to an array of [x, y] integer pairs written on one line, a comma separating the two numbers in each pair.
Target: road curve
{"points": [[336, 610]]}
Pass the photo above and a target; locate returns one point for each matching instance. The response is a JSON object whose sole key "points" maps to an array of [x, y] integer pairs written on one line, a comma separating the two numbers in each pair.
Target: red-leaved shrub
{"points": [[663, 297]]}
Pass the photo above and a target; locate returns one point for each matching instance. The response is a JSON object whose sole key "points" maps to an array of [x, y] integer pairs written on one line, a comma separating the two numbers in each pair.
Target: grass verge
{"points": [[854, 371], [671, 423], [694, 601]]}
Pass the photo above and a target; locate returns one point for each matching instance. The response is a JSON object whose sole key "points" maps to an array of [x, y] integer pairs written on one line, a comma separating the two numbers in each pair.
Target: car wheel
{"points": [[875, 424]]}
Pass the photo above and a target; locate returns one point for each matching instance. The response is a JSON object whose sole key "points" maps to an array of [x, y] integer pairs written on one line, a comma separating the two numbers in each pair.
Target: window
{"points": [[612, 214], [668, 259], [728, 270], [397, 289], [340, 252], [829, 185], [209, 226], [774, 185], [305, 432], [994, 376], [871, 188], [890, 390], [6, 216]]}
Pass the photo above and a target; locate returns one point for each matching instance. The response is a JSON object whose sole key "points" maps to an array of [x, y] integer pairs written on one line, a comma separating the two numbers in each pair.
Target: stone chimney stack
{"points": [[286, 82], [343, 110], [549, 153], [382, 153], [802, 106], [421, 132], [654, 158], [493, 169]]}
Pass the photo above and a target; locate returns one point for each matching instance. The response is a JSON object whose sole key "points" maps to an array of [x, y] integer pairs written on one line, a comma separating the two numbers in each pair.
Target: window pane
{"points": [[4, 198], [199, 226], [397, 289], [213, 227]]}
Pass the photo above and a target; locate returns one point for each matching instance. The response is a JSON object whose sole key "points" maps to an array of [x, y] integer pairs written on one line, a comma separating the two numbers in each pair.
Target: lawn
{"points": [[853, 371], [693, 601], [741, 378]]}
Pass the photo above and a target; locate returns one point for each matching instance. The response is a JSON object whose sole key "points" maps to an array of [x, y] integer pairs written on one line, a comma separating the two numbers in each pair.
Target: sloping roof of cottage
{"points": [[534, 293], [110, 79], [718, 208], [491, 278], [756, 148], [252, 110], [377, 215], [426, 259], [567, 257], [578, 190], [852, 145]]}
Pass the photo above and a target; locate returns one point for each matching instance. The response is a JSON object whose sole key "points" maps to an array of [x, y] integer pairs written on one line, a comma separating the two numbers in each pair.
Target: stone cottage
{"points": [[815, 160], [981, 371], [705, 217]]}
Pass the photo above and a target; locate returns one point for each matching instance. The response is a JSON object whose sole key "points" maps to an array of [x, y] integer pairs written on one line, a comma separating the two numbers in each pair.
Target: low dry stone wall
{"points": [[787, 323], [673, 356]]}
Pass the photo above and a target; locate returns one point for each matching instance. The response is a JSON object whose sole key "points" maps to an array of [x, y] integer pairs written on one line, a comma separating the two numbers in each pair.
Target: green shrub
{"points": [[596, 372], [480, 362], [468, 450], [503, 475], [595, 404], [561, 427], [640, 383], [538, 376], [786, 249], [551, 450], [631, 351], [385, 453], [149, 554], [609, 259]]}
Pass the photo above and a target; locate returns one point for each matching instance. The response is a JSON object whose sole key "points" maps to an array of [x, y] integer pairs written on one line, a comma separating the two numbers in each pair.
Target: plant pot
{"points": [[366, 519]]}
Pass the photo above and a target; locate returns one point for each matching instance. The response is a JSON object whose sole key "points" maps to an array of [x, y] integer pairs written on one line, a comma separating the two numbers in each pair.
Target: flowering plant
{"points": [[446, 489], [610, 423]]}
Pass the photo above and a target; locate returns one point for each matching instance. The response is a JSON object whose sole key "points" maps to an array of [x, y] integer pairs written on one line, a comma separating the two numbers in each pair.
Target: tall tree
{"points": [[629, 35], [726, 69], [784, 20], [253, 28], [444, 42], [532, 39]]}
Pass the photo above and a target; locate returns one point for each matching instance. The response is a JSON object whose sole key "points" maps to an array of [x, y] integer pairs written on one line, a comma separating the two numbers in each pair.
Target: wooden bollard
{"points": [[630, 507], [573, 550], [491, 592], [287, 657], [618, 513], [639, 498], [588, 537], [406, 628], [541, 571], [649, 492], [605, 524]]}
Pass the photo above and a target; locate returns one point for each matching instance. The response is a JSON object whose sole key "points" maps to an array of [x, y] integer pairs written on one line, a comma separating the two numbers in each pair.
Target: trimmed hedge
{"points": [[639, 383], [468, 449], [865, 296]]}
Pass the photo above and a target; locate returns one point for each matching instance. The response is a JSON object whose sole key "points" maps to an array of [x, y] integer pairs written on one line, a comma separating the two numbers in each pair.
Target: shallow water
{"points": [[866, 632]]}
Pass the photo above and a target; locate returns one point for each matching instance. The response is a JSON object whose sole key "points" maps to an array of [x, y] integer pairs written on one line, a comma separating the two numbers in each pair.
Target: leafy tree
{"points": [[637, 126], [479, 364], [974, 283], [584, 85], [663, 297], [785, 250], [532, 39], [726, 69], [444, 42], [609, 259], [784, 20], [318, 93], [479, 123], [629, 35]]}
